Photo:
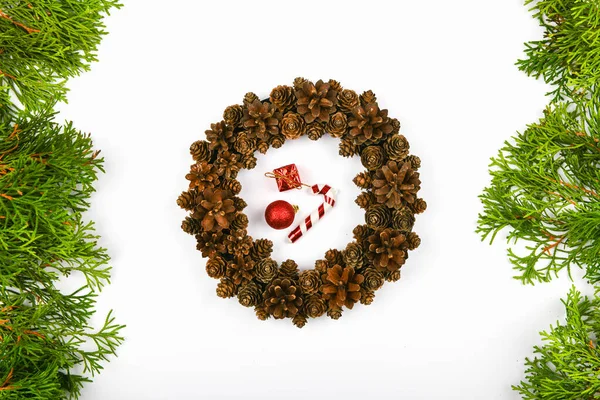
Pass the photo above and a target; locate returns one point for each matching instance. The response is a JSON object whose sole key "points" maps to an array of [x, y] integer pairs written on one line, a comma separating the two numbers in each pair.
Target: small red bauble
{"points": [[280, 214]]}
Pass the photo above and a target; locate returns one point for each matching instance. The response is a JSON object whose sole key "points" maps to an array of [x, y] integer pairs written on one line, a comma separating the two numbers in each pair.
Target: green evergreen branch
{"points": [[567, 365], [44, 42]]}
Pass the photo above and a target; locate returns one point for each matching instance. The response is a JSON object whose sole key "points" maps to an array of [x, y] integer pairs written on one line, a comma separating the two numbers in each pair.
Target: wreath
{"points": [[390, 186]]}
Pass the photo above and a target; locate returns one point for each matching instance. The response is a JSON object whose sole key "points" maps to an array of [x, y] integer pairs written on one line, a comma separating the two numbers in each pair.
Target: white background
{"points": [[456, 326]]}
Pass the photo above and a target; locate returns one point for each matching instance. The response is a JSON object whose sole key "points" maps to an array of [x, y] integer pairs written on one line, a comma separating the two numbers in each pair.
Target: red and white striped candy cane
{"points": [[329, 195]]}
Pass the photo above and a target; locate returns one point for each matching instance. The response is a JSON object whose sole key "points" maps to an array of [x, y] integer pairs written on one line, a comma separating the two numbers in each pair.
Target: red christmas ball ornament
{"points": [[280, 214]]}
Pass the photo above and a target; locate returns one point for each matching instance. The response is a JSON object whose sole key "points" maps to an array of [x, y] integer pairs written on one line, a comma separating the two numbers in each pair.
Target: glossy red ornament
{"points": [[287, 177], [280, 214]]}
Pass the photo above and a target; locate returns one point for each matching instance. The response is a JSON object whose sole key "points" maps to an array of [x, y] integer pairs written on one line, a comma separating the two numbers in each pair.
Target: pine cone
{"points": [[277, 141], [361, 233], [373, 279], [334, 256], [372, 157], [396, 147], [378, 217], [403, 219], [233, 185], [393, 276], [299, 81], [228, 164], [315, 131], [244, 143], [293, 125], [226, 288], [187, 200], [363, 180], [239, 203], [289, 269], [261, 119], [263, 147], [299, 320], [419, 206], [415, 162], [249, 294], [353, 256], [250, 98], [366, 297], [367, 98], [203, 175], [315, 101], [396, 184], [191, 226], [283, 298], [315, 306], [210, 243], [262, 249], [369, 124], [347, 100], [413, 241], [220, 136], [240, 270], [215, 267], [261, 313], [387, 249], [395, 126], [249, 161], [337, 125], [365, 200], [200, 151], [321, 266], [283, 98], [240, 222], [335, 85], [233, 115], [309, 282], [347, 148], [342, 286], [216, 210], [334, 312], [238, 243], [266, 270]]}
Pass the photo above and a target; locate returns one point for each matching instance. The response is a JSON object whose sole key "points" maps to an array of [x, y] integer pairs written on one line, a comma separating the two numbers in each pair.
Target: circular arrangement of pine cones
{"points": [[390, 186]]}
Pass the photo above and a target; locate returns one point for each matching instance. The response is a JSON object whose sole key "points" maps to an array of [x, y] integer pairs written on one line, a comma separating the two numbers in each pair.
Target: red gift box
{"points": [[287, 177]]}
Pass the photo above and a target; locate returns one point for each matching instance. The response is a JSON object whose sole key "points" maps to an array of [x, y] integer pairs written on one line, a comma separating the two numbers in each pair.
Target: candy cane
{"points": [[329, 195]]}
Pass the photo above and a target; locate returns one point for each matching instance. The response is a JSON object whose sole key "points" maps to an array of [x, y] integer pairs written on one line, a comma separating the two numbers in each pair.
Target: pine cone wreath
{"points": [[228, 164], [419, 206], [337, 125], [249, 294], [396, 184], [374, 279], [315, 306], [226, 288], [353, 255], [315, 101], [363, 180], [233, 115], [261, 119], [387, 249], [315, 131], [283, 298], [403, 219], [396, 147], [293, 126], [347, 148], [216, 210], [240, 270], [309, 281], [369, 124], [220, 136], [200, 151], [283, 98], [215, 267], [378, 216], [266, 270], [347, 100], [365, 200], [203, 175], [262, 249], [372, 157], [342, 286], [211, 243], [289, 269], [334, 256]]}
